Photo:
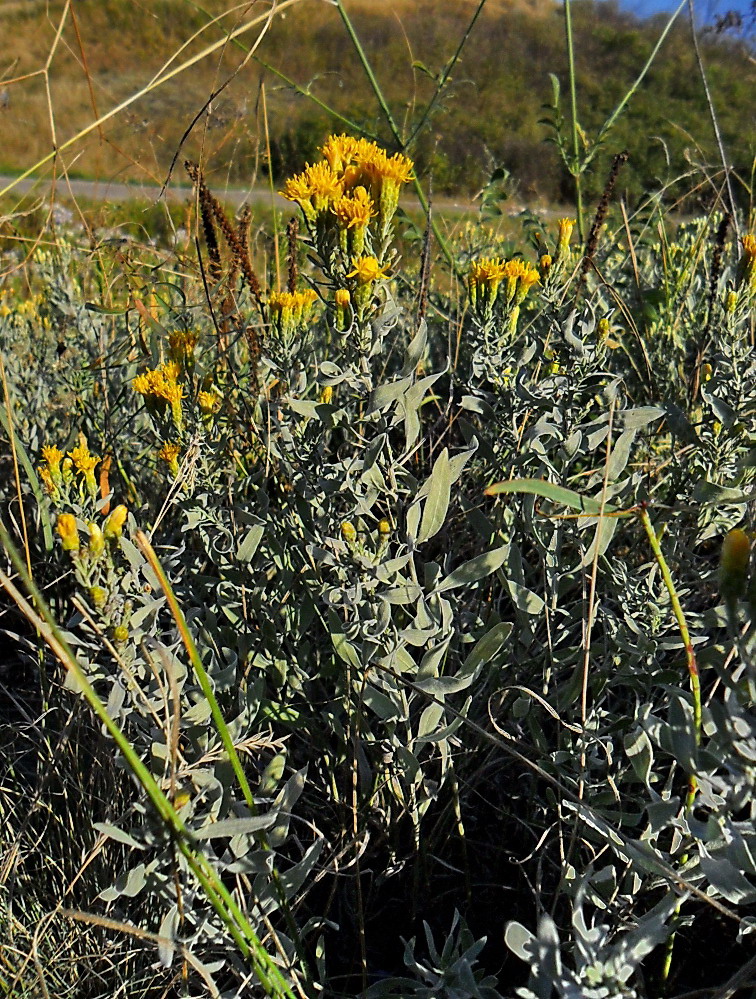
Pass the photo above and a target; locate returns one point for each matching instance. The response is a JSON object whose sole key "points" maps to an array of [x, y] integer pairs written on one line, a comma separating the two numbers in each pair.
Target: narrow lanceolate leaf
{"points": [[477, 568], [558, 494], [437, 504]]}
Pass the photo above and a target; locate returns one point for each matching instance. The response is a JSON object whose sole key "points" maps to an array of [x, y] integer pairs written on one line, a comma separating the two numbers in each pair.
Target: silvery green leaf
{"points": [[167, 936], [113, 832], [640, 752], [727, 879], [235, 827], [636, 419], [487, 647], [415, 349], [437, 502], [519, 940], [385, 706], [620, 454], [248, 547], [475, 569]]}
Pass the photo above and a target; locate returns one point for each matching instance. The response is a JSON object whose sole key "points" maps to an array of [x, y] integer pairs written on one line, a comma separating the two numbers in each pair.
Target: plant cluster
{"points": [[354, 599]]}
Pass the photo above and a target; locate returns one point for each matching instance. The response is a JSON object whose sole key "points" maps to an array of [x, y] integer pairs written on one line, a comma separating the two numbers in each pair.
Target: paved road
{"points": [[113, 191]]}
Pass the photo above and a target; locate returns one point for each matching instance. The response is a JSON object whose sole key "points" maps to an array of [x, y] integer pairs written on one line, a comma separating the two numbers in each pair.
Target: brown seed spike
{"points": [[214, 267], [603, 207]]}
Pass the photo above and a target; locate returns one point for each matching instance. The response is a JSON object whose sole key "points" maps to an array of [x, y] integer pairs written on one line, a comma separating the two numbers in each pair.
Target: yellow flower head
{"points": [[290, 311], [169, 452], [342, 297], [83, 461], [366, 270], [96, 540], [565, 235], [747, 265], [528, 277], [386, 175], [355, 211], [47, 480], [209, 402], [160, 387], [173, 393], [340, 151], [486, 274], [325, 185], [53, 456], [314, 189], [348, 532], [297, 188], [487, 271], [181, 344]]}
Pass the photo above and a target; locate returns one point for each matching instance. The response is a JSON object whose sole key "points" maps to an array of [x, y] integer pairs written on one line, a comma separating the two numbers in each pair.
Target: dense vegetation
{"points": [[377, 610]]}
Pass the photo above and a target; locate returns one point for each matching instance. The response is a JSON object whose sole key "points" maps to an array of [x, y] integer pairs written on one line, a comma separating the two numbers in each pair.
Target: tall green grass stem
{"points": [[576, 168], [242, 932]]}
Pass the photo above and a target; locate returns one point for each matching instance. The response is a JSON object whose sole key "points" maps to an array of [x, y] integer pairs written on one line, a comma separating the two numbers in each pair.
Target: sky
{"points": [[706, 10]]}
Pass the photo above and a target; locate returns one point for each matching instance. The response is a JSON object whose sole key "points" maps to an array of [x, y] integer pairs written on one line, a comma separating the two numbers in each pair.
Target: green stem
{"points": [[445, 76], [216, 892], [222, 729], [682, 624], [695, 689], [369, 73], [609, 123], [396, 134], [576, 169]]}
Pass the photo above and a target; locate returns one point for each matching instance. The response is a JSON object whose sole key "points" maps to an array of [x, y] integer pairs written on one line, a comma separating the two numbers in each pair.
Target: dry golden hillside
{"points": [[67, 64]]}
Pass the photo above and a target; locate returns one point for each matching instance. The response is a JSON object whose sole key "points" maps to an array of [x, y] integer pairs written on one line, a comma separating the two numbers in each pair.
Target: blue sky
{"points": [[706, 10]]}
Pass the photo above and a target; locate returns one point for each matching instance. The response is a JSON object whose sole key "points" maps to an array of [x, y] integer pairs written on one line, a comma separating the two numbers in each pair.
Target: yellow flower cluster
{"points": [[181, 344], [487, 274], [58, 470], [356, 181], [161, 389], [366, 270], [83, 461], [209, 402], [290, 311]]}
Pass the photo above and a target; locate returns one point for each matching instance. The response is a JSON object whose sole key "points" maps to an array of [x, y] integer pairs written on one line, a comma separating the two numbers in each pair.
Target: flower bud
{"points": [[384, 528], [98, 595], [120, 633], [348, 532], [69, 534], [326, 394], [114, 524], [733, 570], [96, 540]]}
